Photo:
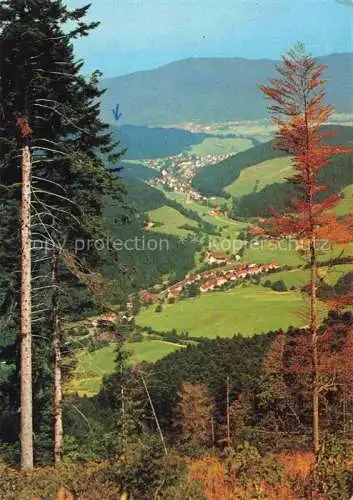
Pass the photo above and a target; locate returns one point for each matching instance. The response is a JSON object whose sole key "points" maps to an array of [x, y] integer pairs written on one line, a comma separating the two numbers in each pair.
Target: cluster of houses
{"points": [[238, 273], [177, 172], [209, 280]]}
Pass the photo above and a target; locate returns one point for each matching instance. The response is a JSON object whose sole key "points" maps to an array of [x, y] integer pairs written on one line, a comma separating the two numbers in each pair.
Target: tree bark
{"points": [[56, 351], [25, 320], [154, 414], [228, 414], [313, 331]]}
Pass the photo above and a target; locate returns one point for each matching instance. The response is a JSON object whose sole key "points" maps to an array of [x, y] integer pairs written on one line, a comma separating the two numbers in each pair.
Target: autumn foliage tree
{"points": [[194, 414], [288, 369], [299, 110]]}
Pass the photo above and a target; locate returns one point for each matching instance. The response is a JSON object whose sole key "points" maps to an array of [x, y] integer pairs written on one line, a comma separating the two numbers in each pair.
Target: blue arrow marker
{"points": [[116, 113]]}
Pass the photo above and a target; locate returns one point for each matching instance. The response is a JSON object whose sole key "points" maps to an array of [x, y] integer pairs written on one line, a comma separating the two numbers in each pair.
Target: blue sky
{"points": [[143, 34]]}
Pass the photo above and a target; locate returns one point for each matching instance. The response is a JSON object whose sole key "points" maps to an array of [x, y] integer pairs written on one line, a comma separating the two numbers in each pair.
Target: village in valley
{"points": [[177, 172], [225, 272]]}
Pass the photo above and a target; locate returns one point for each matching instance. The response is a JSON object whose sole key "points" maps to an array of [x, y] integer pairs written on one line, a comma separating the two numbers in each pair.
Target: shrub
{"points": [[279, 286], [335, 475], [136, 337]]}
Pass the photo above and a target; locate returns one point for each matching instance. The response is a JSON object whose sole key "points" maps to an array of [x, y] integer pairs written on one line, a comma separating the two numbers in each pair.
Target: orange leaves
{"points": [[273, 361], [24, 127], [211, 475], [297, 464], [299, 110], [194, 413], [291, 354], [335, 230], [63, 494]]}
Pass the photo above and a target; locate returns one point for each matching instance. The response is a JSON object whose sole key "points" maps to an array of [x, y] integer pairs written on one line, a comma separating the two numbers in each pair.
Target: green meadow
{"points": [[261, 175], [221, 145], [170, 221], [283, 252], [345, 206], [92, 366], [300, 277], [243, 310]]}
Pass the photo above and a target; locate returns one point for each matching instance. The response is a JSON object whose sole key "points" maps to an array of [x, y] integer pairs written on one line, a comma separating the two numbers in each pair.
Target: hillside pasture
{"points": [[244, 310], [300, 277], [345, 206], [92, 366], [170, 221], [255, 178]]}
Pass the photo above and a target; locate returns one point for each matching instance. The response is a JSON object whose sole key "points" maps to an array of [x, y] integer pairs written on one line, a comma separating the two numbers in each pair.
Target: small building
{"points": [[216, 258]]}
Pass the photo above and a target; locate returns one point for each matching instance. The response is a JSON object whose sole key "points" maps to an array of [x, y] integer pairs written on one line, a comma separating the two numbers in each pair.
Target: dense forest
{"points": [[145, 142]]}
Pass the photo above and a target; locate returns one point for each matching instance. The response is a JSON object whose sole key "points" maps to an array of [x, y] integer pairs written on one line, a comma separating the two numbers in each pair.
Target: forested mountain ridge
{"points": [[210, 90], [145, 142]]}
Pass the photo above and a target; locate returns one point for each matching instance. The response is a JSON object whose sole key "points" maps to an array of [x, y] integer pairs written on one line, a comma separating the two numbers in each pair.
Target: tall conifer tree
{"points": [[41, 82]]}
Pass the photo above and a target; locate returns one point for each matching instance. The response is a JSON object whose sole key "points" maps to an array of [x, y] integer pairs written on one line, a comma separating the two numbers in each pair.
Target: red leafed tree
{"points": [[298, 108], [194, 414], [289, 365]]}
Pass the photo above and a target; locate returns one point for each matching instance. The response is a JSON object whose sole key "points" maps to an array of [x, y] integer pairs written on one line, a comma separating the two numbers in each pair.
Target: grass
{"points": [[284, 252], [243, 310], [300, 277], [202, 210], [171, 221], [92, 366], [221, 145], [266, 252], [295, 277], [345, 206], [260, 175], [262, 130], [337, 272], [230, 229]]}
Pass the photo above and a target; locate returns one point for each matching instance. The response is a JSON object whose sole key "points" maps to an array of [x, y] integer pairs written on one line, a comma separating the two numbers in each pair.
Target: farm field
{"points": [[300, 277], [171, 221], [243, 310], [230, 229], [260, 175], [92, 366], [221, 145], [283, 252], [202, 210], [262, 130], [346, 205], [294, 277], [337, 272]]}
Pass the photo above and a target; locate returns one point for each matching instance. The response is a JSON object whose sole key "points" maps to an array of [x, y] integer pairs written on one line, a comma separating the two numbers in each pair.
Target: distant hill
{"points": [[209, 90], [211, 180], [137, 171], [145, 142], [337, 176], [143, 197]]}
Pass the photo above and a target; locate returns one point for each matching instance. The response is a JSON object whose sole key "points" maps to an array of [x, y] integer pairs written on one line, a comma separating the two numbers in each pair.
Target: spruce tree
{"points": [[41, 82]]}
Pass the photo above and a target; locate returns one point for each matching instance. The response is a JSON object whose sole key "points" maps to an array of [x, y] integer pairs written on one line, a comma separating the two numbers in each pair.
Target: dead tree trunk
{"points": [[314, 347], [25, 320], [154, 414], [56, 352], [228, 414]]}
